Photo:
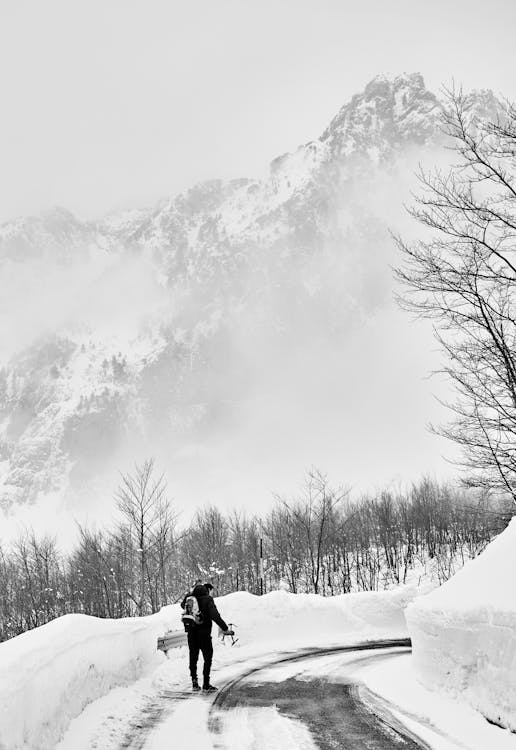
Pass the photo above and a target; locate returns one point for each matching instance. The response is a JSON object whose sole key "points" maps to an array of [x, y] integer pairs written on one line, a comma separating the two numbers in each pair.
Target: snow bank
{"points": [[464, 633], [443, 721], [49, 675], [305, 619]]}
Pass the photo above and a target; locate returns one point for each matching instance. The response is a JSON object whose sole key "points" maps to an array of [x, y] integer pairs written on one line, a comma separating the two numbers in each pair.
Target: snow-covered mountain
{"points": [[148, 329]]}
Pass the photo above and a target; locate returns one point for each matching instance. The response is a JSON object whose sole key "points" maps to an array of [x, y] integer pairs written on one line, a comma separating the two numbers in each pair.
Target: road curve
{"points": [[335, 712], [338, 714]]}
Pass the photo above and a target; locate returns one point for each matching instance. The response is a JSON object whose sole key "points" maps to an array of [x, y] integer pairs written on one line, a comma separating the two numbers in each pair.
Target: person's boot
{"points": [[209, 688], [195, 684]]}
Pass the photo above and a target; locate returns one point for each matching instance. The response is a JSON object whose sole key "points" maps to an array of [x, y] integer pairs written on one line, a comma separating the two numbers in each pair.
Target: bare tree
{"points": [[244, 552], [207, 547], [143, 503], [310, 524], [464, 278], [287, 553], [93, 586]]}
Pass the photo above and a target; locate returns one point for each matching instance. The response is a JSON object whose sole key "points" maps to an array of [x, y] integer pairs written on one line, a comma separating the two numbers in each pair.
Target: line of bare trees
{"points": [[320, 541]]}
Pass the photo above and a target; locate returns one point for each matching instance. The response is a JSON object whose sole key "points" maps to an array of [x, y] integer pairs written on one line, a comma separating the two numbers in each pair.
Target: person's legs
{"points": [[193, 647], [207, 652]]}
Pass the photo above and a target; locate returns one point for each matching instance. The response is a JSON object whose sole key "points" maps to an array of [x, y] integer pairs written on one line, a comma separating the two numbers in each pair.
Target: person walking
{"points": [[199, 634]]}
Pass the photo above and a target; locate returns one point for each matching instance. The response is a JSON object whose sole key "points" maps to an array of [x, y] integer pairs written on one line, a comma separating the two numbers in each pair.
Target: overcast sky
{"points": [[114, 103]]}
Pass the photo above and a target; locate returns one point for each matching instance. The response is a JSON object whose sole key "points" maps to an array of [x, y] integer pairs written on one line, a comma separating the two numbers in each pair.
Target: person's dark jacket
{"points": [[208, 610]]}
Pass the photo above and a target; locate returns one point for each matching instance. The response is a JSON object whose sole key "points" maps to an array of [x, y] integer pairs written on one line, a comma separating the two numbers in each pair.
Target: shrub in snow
{"points": [[464, 633]]}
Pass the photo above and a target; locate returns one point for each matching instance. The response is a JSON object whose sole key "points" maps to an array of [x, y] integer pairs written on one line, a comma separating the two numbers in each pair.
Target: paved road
{"points": [[334, 712]]}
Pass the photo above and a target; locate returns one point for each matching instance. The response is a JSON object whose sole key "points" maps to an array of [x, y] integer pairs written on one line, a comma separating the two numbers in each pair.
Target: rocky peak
{"points": [[390, 112], [384, 85]]}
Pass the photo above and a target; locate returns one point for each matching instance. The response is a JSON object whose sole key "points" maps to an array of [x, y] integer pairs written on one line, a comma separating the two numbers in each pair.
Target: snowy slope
{"points": [[464, 633]]}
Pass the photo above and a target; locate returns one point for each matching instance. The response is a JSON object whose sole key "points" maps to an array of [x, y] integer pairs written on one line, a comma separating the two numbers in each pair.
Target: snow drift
{"points": [[307, 619], [464, 633], [50, 674]]}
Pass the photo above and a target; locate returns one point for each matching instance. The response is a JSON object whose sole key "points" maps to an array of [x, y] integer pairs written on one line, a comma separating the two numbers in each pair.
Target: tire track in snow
{"points": [[334, 712]]}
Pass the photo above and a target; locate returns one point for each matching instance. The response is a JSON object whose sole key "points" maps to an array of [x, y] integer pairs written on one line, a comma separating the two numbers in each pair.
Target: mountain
{"points": [[168, 328]]}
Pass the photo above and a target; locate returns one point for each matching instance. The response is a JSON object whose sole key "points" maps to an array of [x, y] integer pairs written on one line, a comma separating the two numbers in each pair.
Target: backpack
{"points": [[192, 615]]}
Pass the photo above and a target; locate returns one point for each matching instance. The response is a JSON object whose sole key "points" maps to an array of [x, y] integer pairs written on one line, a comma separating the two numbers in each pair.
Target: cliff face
{"points": [[150, 327]]}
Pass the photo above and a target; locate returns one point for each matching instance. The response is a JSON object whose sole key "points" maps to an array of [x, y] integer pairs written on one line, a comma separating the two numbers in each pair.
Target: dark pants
{"points": [[200, 641]]}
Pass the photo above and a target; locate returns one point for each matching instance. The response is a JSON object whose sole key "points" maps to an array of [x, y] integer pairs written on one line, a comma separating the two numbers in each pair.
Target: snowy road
{"points": [[311, 699]]}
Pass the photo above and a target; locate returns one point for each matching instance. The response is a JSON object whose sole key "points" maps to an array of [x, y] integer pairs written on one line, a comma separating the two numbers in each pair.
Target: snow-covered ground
{"points": [[445, 722], [464, 633], [49, 675], [80, 683], [391, 687]]}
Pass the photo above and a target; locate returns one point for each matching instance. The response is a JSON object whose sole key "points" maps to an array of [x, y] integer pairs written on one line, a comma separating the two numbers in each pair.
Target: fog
{"points": [[100, 293], [236, 387], [345, 385]]}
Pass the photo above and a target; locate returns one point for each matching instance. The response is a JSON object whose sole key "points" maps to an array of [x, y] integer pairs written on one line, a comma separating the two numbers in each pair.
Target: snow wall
{"points": [[464, 633], [48, 675]]}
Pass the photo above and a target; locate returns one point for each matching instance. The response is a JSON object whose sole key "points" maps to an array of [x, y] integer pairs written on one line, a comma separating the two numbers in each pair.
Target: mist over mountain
{"points": [[238, 332]]}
